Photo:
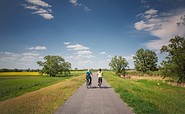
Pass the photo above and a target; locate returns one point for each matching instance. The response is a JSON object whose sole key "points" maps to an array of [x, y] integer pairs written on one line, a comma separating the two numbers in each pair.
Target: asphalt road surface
{"points": [[94, 100]]}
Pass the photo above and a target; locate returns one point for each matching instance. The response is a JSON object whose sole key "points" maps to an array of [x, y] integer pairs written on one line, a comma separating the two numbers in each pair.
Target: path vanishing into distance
{"points": [[94, 100]]}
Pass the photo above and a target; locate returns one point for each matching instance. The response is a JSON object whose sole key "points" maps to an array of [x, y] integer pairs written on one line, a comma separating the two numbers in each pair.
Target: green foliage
{"points": [[55, 66], [148, 96], [145, 60], [174, 63], [118, 64]]}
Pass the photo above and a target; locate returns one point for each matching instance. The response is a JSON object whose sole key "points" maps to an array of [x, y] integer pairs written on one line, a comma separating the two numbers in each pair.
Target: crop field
{"points": [[149, 96], [35, 93], [4, 74]]}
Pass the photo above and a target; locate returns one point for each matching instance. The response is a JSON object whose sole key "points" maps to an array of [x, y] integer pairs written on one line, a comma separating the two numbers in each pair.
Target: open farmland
{"points": [[13, 84]]}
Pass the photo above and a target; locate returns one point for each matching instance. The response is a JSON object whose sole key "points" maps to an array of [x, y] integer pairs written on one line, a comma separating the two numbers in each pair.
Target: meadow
{"points": [[36, 94], [148, 96], [13, 84]]}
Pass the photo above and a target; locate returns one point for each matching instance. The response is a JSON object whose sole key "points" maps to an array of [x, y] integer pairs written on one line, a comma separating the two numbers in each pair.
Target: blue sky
{"points": [[87, 33]]}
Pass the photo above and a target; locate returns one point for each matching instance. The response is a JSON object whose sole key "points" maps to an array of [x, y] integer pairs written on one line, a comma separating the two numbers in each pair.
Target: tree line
{"points": [[146, 60], [18, 70]]}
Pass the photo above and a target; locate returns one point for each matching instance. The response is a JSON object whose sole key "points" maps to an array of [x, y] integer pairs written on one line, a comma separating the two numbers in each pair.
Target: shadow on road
{"points": [[102, 87]]}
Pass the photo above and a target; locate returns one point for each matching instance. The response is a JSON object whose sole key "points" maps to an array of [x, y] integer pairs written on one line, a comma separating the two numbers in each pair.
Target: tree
{"points": [[174, 63], [54, 65], [145, 60], [118, 64]]}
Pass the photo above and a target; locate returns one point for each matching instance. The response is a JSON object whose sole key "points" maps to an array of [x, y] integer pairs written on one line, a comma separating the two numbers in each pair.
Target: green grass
{"points": [[42, 101], [149, 96], [15, 85]]}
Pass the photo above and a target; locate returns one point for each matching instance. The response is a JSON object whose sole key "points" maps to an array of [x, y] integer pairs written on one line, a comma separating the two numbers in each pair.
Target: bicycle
{"points": [[99, 81], [88, 82]]}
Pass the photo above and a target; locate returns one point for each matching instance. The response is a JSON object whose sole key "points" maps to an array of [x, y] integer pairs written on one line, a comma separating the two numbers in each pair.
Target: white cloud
{"points": [[39, 3], [39, 7], [40, 11], [37, 48], [76, 3], [33, 54], [142, 25], [87, 9], [67, 43], [102, 53], [73, 1], [77, 47], [30, 7], [86, 52], [86, 56], [129, 57], [85, 62], [46, 16], [23, 60], [164, 26], [80, 57], [151, 12]]}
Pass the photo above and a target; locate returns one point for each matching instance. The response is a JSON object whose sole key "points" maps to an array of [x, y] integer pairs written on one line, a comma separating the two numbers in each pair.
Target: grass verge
{"points": [[149, 96], [42, 101]]}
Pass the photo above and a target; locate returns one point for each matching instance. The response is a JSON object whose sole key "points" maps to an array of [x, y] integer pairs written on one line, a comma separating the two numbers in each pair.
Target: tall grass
{"points": [[149, 96]]}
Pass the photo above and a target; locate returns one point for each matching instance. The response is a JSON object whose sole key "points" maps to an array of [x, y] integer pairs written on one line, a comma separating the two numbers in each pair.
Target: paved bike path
{"points": [[94, 100]]}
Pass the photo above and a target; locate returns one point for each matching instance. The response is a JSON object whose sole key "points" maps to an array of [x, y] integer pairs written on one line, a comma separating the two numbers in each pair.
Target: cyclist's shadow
{"points": [[102, 87]]}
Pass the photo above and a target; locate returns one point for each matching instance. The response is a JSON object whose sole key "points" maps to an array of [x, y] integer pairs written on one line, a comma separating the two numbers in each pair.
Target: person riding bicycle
{"points": [[100, 75], [88, 76]]}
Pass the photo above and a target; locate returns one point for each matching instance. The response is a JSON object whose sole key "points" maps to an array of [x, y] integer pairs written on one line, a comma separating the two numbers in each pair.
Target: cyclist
{"points": [[100, 75], [88, 77]]}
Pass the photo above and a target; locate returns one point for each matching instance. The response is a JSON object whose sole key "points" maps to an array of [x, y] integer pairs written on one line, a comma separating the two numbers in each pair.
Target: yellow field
{"points": [[19, 73]]}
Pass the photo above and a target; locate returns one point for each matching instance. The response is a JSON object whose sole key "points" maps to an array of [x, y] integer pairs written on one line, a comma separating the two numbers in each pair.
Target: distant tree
{"points": [[145, 60], [54, 65], [16, 70], [5, 70], [118, 64], [28, 70], [174, 63]]}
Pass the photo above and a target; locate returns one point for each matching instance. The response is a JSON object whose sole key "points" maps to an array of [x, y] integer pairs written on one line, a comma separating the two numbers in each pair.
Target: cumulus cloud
{"points": [[73, 1], [142, 25], [86, 52], [80, 49], [102, 53], [37, 48], [67, 43], [151, 12], [77, 47], [82, 56], [163, 25], [16, 60], [39, 7]]}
